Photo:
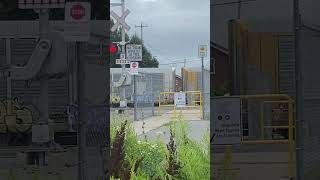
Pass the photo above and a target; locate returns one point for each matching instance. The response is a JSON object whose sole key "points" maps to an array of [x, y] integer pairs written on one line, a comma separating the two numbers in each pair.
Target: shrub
{"points": [[181, 158]]}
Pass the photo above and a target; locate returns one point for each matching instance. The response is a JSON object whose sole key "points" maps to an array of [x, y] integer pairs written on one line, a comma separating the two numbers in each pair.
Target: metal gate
{"points": [[193, 108], [269, 127]]}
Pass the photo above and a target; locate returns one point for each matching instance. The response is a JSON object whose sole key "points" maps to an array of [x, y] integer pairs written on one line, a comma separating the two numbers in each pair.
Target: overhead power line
{"points": [[233, 2], [180, 62], [311, 28]]}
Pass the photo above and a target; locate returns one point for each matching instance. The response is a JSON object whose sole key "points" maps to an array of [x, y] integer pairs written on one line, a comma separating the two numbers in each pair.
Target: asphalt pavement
{"points": [[197, 130]]}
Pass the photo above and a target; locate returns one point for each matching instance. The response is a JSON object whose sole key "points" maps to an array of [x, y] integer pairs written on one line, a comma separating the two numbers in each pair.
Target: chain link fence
{"points": [[145, 95], [143, 91]]}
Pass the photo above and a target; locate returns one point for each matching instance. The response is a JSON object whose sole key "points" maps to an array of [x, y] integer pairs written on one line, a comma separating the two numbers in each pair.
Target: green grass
{"points": [[150, 159]]}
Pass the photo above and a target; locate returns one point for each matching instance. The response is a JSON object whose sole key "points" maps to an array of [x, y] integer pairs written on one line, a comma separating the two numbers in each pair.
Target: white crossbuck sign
{"points": [[120, 20]]}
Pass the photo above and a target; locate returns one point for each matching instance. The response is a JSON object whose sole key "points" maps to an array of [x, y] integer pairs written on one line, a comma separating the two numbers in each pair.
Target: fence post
{"points": [[201, 106], [159, 106], [290, 138], [135, 98], [227, 162], [152, 96], [262, 120]]}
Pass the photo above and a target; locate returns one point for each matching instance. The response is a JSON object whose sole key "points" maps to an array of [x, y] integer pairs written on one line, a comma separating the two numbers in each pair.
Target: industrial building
{"points": [[259, 39], [192, 81], [150, 81]]}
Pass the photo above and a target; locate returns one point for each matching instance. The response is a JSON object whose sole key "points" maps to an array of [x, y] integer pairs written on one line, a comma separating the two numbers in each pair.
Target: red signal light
{"points": [[113, 48]]}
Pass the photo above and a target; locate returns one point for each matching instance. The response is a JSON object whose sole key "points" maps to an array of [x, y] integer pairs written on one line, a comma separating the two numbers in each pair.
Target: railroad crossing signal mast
{"points": [[121, 22]]}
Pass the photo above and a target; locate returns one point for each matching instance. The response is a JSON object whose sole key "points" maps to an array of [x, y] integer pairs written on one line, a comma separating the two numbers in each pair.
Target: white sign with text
{"points": [[226, 120], [180, 99], [134, 52], [134, 66], [77, 21]]}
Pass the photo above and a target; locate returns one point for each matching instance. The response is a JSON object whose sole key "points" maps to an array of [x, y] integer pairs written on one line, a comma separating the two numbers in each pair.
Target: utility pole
{"points": [[202, 53], [123, 41], [184, 82], [134, 76], [141, 31], [202, 86], [299, 90], [239, 8]]}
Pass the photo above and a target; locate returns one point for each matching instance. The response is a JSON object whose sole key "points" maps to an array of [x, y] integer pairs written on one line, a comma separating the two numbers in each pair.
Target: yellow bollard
{"points": [[262, 120], [227, 162], [36, 175], [11, 175], [290, 139]]}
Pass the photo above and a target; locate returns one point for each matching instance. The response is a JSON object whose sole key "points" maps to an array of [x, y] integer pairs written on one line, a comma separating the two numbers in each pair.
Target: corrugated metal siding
{"points": [[309, 53], [58, 99], [3, 88], [3, 82], [2, 51], [286, 65], [21, 50]]}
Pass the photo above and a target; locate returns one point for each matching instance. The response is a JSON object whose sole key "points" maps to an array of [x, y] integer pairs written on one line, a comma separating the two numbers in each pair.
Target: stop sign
{"points": [[77, 11], [134, 65]]}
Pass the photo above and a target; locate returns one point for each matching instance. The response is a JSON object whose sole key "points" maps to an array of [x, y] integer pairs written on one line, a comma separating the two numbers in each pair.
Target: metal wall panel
{"points": [[28, 91], [286, 65], [309, 53]]}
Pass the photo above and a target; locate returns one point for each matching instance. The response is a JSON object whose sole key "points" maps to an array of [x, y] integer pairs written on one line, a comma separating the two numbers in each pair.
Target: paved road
{"points": [[144, 112], [198, 129]]}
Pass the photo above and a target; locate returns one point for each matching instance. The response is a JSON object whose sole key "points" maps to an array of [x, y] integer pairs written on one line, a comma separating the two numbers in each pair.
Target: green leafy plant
{"points": [[173, 169], [181, 158]]}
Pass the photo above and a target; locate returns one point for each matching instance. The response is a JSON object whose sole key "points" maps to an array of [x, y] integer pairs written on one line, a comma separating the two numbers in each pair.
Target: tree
{"points": [[148, 61]]}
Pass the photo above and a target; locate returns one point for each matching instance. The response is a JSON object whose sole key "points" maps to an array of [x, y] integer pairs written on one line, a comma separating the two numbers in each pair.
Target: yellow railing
{"points": [[276, 98], [192, 93]]}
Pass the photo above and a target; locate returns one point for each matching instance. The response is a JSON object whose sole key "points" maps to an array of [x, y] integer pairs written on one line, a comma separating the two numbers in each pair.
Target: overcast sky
{"points": [[175, 27]]}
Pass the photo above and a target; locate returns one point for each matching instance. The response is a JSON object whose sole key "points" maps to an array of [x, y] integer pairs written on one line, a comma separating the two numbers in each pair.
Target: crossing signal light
{"points": [[113, 48]]}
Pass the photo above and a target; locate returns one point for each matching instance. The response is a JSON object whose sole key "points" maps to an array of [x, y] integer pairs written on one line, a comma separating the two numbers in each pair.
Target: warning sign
{"points": [[77, 21], [134, 52], [134, 68], [180, 99], [202, 51], [226, 120]]}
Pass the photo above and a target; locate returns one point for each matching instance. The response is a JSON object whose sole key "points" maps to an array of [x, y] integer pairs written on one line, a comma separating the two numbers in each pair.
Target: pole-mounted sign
{"points": [[202, 51], [134, 52], [134, 68], [226, 120], [180, 99]]}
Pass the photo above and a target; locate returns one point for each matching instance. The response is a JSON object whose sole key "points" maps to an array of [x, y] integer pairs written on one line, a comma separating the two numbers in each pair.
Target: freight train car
{"points": [[19, 95]]}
